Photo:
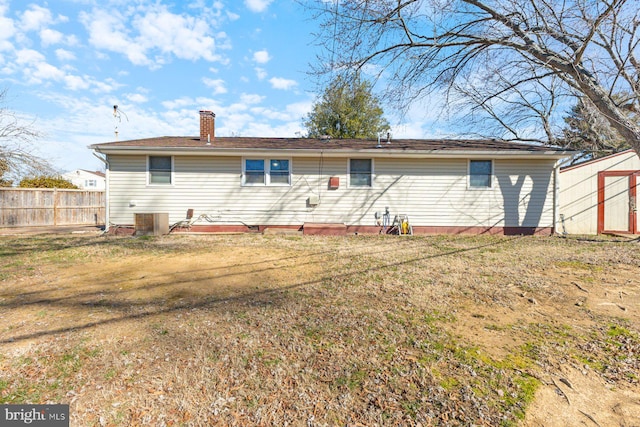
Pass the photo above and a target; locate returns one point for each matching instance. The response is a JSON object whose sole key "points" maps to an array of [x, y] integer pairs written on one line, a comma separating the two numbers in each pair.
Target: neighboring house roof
{"points": [[77, 171], [599, 159], [309, 146], [97, 173]]}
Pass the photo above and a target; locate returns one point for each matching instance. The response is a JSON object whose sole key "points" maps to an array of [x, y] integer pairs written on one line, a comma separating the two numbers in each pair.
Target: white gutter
{"points": [[106, 190]]}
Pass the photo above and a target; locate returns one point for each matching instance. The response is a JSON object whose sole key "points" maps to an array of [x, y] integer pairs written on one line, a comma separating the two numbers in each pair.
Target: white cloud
{"points": [[42, 71], [257, 5], [49, 37], [251, 98], [216, 84], [137, 98], [105, 86], [7, 29], [282, 84], [76, 82], [270, 114], [35, 18], [65, 55], [261, 57], [184, 36], [300, 109], [36, 70], [71, 40], [28, 56], [179, 103], [152, 37], [108, 31], [292, 112], [261, 73]]}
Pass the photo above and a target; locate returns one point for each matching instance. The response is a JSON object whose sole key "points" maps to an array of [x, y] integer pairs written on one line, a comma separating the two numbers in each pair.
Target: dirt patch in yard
{"points": [[576, 295], [370, 330]]}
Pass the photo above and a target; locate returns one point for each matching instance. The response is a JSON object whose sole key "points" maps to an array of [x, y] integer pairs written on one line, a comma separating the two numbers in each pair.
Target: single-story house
{"points": [[599, 196], [333, 185], [86, 180]]}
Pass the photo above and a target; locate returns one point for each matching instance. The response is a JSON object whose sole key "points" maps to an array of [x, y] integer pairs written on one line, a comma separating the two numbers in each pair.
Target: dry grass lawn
{"points": [[323, 331]]}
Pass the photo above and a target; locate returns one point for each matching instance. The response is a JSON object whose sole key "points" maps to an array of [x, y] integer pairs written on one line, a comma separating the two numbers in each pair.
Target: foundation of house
{"points": [[340, 229]]}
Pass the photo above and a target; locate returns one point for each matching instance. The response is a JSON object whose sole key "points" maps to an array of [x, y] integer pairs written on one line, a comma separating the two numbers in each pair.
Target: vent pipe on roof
{"points": [[207, 125]]}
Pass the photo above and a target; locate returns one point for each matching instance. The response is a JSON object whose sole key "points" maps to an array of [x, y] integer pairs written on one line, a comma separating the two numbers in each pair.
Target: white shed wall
{"points": [[433, 192], [579, 191]]}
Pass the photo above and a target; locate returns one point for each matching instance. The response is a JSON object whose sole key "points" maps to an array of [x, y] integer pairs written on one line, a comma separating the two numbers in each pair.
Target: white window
{"points": [[90, 183], [360, 172], [160, 170], [266, 172], [480, 173]]}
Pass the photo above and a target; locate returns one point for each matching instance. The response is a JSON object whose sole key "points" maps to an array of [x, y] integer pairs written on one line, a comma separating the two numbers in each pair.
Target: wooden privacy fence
{"points": [[31, 207]]}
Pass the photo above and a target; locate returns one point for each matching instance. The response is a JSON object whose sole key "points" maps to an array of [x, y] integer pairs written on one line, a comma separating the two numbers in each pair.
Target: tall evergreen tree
{"points": [[347, 109], [586, 130]]}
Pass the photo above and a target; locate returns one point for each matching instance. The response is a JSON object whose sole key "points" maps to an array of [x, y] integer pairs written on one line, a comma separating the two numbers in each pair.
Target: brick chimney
{"points": [[207, 125]]}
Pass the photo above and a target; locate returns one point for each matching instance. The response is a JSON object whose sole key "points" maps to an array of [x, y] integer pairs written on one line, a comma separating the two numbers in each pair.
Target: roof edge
{"points": [[592, 161]]}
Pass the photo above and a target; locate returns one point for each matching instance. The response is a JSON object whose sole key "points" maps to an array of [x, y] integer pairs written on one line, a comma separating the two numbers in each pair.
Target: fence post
{"points": [[55, 207]]}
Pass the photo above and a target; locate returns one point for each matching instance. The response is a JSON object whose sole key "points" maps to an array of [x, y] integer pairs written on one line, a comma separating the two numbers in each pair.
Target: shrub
{"points": [[46, 182]]}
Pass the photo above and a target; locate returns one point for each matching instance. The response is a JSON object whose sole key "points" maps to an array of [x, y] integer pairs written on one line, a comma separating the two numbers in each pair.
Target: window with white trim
{"points": [[257, 171], [90, 183], [360, 172], [160, 170], [480, 173]]}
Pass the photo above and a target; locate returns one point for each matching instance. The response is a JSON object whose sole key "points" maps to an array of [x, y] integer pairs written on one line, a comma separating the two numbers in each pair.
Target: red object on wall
{"points": [[334, 182]]}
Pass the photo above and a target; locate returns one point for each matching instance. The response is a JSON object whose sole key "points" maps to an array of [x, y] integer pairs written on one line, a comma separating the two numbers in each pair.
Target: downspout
{"points": [[106, 190], [556, 196]]}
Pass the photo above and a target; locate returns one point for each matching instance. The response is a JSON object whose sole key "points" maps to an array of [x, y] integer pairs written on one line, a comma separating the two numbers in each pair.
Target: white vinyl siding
{"points": [[433, 192]]}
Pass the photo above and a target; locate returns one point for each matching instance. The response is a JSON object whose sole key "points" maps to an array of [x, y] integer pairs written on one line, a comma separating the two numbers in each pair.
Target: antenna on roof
{"points": [[117, 118]]}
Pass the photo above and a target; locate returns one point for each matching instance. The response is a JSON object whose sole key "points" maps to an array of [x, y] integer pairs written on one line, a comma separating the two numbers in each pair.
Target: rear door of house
{"points": [[617, 202]]}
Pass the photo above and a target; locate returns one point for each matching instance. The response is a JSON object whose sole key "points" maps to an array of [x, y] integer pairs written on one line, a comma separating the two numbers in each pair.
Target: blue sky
{"points": [[65, 64]]}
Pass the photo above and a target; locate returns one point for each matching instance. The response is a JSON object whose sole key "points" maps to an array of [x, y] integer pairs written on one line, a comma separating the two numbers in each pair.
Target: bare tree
{"points": [[17, 158], [543, 50], [519, 113]]}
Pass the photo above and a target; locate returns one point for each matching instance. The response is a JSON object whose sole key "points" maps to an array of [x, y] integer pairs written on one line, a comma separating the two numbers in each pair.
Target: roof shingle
{"points": [[248, 143]]}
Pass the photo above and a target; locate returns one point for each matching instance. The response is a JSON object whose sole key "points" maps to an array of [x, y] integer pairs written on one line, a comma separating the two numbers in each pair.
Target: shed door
{"points": [[617, 204]]}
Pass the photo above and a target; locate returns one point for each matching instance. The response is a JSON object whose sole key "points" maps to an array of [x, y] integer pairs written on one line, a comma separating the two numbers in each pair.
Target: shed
{"points": [[599, 196]]}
